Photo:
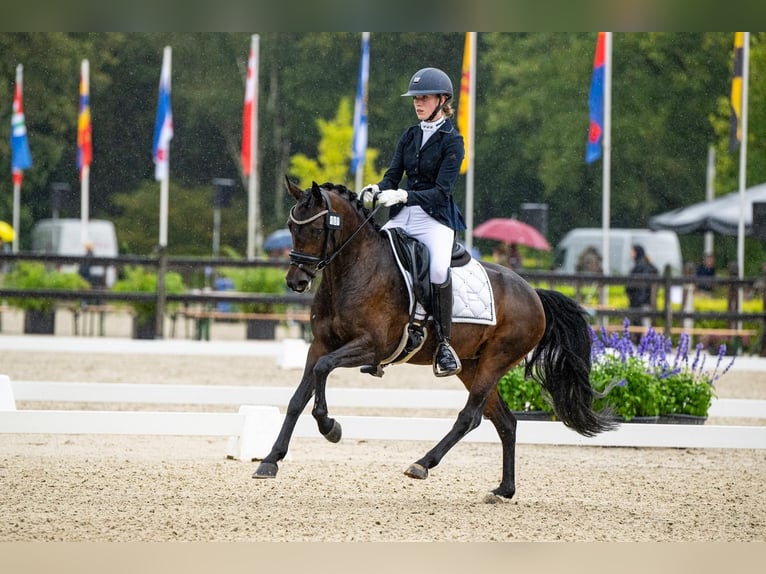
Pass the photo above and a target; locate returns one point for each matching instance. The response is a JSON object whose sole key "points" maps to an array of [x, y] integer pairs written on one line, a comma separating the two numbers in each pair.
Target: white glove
{"points": [[389, 197], [368, 193]]}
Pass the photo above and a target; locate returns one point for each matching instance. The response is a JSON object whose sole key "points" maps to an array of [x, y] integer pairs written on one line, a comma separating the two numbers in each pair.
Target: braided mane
{"points": [[354, 200]]}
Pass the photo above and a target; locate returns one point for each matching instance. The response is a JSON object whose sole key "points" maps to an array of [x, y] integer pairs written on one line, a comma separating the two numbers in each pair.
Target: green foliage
{"points": [[669, 103], [137, 279], [34, 275], [520, 393], [333, 153], [262, 280], [631, 391]]}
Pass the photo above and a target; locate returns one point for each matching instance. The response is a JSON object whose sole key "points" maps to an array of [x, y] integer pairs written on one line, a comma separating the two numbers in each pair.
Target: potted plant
{"points": [[40, 313], [264, 281], [650, 382], [688, 390], [136, 279], [525, 397]]}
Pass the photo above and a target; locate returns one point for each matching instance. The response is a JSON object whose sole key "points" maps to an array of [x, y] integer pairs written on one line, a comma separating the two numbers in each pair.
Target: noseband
{"points": [[312, 264]]}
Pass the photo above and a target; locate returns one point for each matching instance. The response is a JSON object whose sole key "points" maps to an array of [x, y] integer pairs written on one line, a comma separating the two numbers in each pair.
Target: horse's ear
{"points": [[293, 189], [316, 191]]}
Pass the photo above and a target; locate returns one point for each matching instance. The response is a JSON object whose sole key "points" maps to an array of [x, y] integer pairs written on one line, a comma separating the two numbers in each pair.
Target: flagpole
{"points": [[743, 171], [472, 36], [85, 169], [254, 233], [607, 165], [16, 211]]}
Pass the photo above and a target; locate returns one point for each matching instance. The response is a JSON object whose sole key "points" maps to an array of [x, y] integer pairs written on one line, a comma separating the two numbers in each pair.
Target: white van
{"points": [[63, 237], [661, 247]]}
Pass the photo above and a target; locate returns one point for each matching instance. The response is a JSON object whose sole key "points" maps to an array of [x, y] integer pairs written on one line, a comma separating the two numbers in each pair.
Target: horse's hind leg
{"points": [[501, 416], [467, 420]]}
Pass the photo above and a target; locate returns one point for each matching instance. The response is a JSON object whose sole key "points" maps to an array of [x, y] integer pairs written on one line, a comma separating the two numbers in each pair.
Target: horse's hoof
{"points": [[417, 471], [492, 498], [266, 470], [335, 433], [500, 495]]}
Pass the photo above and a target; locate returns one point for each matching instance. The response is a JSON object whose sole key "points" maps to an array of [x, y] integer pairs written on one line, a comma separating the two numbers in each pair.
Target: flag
{"points": [[21, 158], [735, 133], [84, 130], [247, 114], [359, 147], [596, 103], [464, 110], [163, 126]]}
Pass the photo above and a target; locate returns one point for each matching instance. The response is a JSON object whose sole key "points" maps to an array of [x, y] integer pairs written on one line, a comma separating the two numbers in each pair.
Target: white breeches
{"points": [[437, 237]]}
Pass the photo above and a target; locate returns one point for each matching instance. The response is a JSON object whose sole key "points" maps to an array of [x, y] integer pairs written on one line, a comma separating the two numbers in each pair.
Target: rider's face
{"points": [[425, 105]]}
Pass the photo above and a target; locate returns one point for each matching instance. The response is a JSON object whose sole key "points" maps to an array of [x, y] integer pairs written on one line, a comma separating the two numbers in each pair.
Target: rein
{"points": [[312, 264]]}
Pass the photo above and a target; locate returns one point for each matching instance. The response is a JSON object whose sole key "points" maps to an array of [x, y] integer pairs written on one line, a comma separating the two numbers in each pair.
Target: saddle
{"points": [[414, 258]]}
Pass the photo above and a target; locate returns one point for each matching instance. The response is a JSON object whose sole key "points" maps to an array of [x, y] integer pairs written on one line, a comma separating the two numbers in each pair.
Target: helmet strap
{"points": [[438, 108]]}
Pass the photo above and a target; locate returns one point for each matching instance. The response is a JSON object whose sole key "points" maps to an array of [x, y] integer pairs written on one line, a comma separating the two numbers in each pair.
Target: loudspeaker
{"points": [[536, 215], [222, 191], [759, 220]]}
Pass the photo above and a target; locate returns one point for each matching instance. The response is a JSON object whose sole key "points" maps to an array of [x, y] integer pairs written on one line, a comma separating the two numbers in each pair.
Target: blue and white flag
{"points": [[163, 127], [359, 147]]}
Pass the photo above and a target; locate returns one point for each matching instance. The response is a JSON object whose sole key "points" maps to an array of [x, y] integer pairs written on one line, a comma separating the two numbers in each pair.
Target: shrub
{"points": [[31, 275]]}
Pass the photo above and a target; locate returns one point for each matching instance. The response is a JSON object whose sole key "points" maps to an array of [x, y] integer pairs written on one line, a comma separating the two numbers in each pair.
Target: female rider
{"points": [[430, 154]]}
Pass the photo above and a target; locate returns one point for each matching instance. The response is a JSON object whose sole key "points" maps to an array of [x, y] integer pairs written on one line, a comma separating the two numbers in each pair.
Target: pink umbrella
{"points": [[509, 230]]}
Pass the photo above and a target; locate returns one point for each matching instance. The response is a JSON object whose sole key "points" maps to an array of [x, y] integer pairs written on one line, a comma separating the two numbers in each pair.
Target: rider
{"points": [[430, 154]]}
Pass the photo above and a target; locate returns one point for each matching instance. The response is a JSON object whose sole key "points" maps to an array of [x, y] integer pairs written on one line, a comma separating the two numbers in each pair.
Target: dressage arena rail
{"points": [[253, 428]]}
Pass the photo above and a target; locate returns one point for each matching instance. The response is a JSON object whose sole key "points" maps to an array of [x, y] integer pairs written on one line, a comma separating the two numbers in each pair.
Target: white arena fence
{"points": [[253, 429]]}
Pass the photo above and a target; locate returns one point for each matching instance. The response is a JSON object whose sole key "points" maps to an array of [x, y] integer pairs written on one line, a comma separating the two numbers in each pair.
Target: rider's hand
{"points": [[368, 194], [389, 197]]}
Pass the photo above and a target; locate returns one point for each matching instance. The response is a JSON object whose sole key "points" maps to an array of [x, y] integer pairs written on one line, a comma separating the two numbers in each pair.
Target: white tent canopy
{"points": [[720, 215]]}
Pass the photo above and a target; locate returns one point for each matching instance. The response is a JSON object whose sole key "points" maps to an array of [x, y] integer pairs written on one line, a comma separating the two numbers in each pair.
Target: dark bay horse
{"points": [[361, 307]]}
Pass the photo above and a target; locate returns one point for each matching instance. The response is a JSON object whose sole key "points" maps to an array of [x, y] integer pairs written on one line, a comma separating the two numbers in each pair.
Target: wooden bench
{"points": [[696, 331], [201, 318]]}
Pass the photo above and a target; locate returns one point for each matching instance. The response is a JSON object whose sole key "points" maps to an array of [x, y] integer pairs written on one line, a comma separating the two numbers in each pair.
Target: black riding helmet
{"points": [[430, 81]]}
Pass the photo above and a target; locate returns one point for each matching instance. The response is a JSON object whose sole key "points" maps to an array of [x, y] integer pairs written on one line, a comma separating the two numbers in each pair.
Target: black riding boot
{"points": [[446, 361]]}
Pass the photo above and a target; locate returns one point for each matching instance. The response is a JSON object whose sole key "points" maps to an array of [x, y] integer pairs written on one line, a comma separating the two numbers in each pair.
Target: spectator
{"points": [[640, 296], [514, 257], [86, 268], [704, 272]]}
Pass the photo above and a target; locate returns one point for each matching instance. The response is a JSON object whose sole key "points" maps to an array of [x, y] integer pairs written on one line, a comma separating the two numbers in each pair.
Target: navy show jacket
{"points": [[431, 172]]}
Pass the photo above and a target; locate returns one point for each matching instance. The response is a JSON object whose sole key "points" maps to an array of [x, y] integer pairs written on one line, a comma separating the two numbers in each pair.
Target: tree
{"points": [[334, 153]]}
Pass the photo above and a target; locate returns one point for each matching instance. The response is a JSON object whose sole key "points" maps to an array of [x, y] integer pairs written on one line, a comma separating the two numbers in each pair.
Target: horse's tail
{"points": [[561, 364]]}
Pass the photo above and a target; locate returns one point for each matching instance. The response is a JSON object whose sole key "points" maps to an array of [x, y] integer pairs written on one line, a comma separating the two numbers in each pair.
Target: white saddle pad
{"points": [[472, 297]]}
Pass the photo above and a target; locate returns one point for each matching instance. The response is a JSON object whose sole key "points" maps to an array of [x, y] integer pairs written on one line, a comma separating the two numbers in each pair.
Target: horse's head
{"points": [[320, 222]]}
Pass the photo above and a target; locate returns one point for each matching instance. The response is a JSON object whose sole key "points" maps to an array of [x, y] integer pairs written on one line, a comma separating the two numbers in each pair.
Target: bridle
{"points": [[313, 264]]}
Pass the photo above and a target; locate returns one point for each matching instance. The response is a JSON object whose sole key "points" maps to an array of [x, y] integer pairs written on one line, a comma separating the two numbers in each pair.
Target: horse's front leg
{"points": [[353, 354], [268, 466]]}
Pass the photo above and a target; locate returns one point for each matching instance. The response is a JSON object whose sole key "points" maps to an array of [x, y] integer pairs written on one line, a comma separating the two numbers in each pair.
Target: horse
{"points": [[360, 310]]}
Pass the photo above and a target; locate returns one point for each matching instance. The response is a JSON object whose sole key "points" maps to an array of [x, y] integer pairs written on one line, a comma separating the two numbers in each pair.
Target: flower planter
{"points": [[144, 329], [262, 329], [682, 419], [639, 420], [39, 322]]}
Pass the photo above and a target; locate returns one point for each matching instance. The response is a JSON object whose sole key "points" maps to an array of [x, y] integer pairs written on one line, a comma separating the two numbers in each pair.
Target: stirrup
{"points": [[439, 369]]}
